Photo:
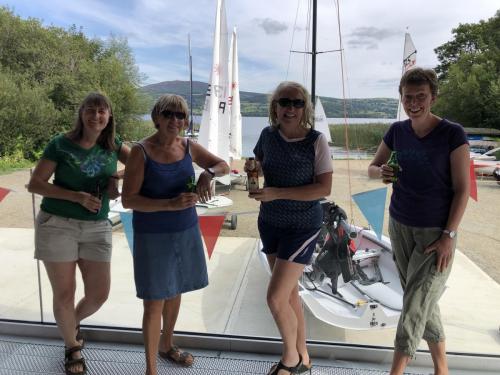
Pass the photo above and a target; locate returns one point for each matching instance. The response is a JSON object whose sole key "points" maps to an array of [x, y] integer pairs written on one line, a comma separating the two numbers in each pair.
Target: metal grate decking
{"points": [[40, 356]]}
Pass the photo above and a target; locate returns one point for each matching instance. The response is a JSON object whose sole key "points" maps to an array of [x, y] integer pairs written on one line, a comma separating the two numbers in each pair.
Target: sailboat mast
{"points": [[191, 128], [314, 52]]}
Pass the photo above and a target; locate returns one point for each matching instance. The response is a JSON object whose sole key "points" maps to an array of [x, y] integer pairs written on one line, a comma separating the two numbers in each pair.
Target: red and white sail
{"points": [[409, 61], [214, 127]]}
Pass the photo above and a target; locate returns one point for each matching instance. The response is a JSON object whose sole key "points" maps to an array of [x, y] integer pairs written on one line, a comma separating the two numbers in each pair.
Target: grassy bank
{"points": [[14, 162], [361, 136]]}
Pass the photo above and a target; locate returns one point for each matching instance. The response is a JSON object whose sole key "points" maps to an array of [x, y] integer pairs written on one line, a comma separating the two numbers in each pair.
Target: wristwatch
{"points": [[450, 233], [210, 171]]}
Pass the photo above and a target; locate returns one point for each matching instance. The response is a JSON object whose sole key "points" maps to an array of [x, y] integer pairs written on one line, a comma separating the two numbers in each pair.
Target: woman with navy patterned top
{"points": [[428, 201], [295, 162]]}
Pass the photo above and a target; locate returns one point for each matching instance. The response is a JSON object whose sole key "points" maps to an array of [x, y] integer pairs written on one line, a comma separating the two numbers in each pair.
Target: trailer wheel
{"points": [[234, 221]]}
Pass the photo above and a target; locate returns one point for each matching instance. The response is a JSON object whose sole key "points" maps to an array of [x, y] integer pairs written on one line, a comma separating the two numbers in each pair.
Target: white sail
{"points": [[320, 121], [214, 127], [409, 61], [235, 143]]}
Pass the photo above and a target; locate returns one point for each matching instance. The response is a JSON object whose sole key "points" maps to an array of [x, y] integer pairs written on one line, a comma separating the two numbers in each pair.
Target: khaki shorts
{"points": [[61, 239]]}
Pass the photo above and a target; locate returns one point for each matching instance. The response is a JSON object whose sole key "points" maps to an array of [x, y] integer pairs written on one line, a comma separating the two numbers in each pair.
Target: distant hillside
{"points": [[255, 104]]}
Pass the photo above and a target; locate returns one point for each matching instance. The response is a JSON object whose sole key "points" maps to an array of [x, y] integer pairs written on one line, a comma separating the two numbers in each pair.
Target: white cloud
{"points": [[373, 34]]}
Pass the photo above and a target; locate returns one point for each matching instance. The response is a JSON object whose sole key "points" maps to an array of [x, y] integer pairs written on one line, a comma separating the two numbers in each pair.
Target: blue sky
{"points": [[372, 34]]}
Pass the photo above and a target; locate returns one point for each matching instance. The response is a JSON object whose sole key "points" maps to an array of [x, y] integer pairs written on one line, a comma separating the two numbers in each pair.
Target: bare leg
{"points": [[301, 325], [299, 313], [438, 353], [399, 363], [283, 281], [170, 313], [62, 280], [96, 281], [151, 323]]}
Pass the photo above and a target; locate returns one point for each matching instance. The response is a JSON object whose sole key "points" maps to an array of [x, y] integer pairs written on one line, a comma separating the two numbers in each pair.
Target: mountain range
{"points": [[256, 104]]}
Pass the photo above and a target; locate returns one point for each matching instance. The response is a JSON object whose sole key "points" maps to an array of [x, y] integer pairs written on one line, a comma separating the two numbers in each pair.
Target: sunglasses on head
{"points": [[171, 114], [287, 102]]}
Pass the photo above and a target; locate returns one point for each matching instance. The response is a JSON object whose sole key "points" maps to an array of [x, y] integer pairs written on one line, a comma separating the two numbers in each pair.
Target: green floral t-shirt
{"points": [[79, 169]]}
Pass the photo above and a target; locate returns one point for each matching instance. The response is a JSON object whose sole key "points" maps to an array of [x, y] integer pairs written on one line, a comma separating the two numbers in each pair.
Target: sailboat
{"points": [[409, 61], [352, 281], [320, 121]]}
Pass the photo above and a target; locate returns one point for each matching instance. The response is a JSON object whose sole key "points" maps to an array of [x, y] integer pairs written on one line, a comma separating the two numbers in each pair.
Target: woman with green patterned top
{"points": [[71, 228]]}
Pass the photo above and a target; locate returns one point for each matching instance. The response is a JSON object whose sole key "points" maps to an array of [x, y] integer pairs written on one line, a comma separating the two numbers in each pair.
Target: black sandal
{"points": [[280, 366], [79, 336], [305, 368], [69, 361]]}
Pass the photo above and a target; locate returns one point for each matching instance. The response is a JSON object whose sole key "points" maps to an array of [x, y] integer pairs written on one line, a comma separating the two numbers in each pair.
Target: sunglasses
{"points": [[287, 102], [171, 114]]}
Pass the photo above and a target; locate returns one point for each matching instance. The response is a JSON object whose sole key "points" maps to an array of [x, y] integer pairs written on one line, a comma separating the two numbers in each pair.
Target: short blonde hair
{"points": [[169, 102], [307, 115]]}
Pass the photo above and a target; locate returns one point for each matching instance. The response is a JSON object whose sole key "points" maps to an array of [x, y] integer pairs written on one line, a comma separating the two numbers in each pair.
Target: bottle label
{"points": [[253, 182]]}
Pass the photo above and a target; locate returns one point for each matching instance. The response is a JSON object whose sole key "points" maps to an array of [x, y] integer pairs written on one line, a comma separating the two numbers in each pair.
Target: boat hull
{"points": [[356, 306]]}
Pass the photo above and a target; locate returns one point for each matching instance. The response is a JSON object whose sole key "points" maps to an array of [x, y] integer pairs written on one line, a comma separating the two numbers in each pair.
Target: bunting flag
{"points": [[473, 184], [210, 227], [372, 206], [126, 218], [3, 193]]}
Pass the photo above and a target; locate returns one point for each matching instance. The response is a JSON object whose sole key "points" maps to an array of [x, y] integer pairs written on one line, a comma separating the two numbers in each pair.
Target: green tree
{"points": [[45, 72], [469, 75]]}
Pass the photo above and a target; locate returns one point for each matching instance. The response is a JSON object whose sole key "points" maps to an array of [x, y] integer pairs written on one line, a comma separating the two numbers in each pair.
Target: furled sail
{"points": [[320, 121], [235, 143]]}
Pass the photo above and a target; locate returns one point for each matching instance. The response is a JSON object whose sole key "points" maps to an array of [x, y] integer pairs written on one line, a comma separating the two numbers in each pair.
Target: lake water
{"points": [[252, 126]]}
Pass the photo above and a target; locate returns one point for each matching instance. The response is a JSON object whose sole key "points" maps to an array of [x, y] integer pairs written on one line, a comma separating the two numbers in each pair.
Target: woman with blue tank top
{"points": [[429, 195], [168, 252], [295, 161]]}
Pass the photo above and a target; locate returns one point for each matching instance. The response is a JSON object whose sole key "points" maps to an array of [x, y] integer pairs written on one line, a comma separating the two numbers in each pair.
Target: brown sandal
{"points": [[177, 356], [69, 361]]}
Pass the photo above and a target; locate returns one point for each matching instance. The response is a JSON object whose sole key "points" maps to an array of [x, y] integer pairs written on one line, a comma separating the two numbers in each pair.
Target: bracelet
{"points": [[115, 177]]}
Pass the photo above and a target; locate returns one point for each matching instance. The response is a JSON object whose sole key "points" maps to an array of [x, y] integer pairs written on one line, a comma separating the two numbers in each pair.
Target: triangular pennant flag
{"points": [[3, 193], [473, 184], [126, 218], [210, 227], [372, 206]]}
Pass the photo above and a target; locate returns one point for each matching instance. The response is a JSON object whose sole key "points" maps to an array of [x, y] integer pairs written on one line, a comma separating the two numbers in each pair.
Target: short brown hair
{"points": [[107, 137], [172, 102], [419, 76], [307, 116]]}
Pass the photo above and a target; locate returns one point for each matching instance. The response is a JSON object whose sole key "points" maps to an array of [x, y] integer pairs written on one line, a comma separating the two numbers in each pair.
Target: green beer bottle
{"points": [[393, 163], [191, 185]]}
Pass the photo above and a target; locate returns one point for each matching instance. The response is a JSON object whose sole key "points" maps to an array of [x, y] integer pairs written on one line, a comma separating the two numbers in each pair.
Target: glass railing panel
{"points": [[234, 303], [19, 293]]}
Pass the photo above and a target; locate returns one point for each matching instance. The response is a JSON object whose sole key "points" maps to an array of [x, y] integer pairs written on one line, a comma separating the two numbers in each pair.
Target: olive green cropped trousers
{"points": [[422, 284]]}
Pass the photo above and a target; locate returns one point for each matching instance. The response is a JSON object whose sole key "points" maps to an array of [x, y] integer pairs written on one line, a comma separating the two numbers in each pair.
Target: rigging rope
{"points": [[291, 45], [351, 210], [305, 70]]}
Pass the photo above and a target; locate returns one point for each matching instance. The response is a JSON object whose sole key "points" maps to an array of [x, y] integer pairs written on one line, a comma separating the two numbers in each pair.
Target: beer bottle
{"points": [[191, 185], [393, 163], [252, 176]]}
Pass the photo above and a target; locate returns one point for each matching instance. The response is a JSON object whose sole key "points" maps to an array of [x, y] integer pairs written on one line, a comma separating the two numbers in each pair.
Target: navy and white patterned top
{"points": [[288, 164]]}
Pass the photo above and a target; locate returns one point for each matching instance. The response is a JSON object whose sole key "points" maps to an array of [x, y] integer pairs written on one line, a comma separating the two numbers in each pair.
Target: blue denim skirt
{"points": [[168, 264]]}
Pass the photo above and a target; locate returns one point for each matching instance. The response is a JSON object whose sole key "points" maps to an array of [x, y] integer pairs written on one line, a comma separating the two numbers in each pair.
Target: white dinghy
{"points": [[352, 281]]}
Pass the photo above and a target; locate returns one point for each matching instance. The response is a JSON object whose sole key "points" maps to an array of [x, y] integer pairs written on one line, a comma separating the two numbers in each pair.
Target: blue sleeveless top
{"points": [[165, 181], [288, 164]]}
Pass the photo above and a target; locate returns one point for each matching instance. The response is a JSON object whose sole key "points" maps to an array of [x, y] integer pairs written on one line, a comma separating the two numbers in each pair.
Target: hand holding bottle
{"points": [[252, 169], [389, 171]]}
